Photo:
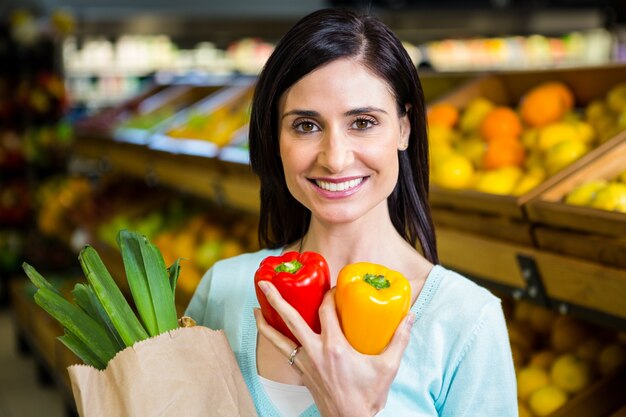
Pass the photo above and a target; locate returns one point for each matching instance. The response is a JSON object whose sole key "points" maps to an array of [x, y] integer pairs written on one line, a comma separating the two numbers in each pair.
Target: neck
{"points": [[342, 244]]}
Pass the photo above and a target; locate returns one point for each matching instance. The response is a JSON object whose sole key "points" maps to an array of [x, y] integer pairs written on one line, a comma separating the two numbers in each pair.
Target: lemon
{"points": [[531, 179], [499, 181], [611, 357], [555, 133], [582, 194], [570, 373], [547, 400], [529, 380], [564, 153], [453, 171], [590, 349], [472, 148], [530, 138], [439, 135], [616, 98], [584, 131], [543, 359], [474, 113], [612, 197], [595, 110]]}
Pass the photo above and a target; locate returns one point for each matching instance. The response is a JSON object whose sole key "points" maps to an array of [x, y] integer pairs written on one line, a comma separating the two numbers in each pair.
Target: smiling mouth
{"points": [[338, 186]]}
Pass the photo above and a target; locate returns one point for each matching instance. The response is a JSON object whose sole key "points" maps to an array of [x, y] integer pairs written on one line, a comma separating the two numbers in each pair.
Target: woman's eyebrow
{"points": [[303, 113], [352, 112], [361, 110]]}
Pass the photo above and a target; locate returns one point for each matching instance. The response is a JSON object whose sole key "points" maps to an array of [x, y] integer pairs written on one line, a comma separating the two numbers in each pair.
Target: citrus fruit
{"points": [[473, 148], [555, 133], [543, 105], [562, 154], [582, 194], [474, 113], [499, 181], [571, 373], [560, 89], [611, 357], [453, 171], [595, 110], [442, 114], [543, 359], [500, 122], [612, 197], [530, 180], [503, 153], [568, 336], [616, 98], [529, 380], [584, 131], [440, 135], [547, 400], [590, 349], [541, 320]]}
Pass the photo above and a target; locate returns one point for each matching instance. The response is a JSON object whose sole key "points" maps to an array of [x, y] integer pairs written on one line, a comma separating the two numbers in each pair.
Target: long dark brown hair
{"points": [[317, 39]]}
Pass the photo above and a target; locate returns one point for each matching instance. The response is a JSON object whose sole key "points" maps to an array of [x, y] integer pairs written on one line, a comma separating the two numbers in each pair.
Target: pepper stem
{"points": [[377, 281], [291, 267]]}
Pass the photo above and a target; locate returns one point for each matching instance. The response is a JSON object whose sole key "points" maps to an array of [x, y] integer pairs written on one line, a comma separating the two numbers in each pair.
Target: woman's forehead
{"points": [[345, 82]]}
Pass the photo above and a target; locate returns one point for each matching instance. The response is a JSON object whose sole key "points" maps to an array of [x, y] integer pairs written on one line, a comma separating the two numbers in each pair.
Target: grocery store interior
{"points": [[133, 115]]}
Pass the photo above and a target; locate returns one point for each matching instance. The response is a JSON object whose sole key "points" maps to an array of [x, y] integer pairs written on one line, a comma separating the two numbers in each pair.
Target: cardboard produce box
{"points": [[504, 216], [581, 230]]}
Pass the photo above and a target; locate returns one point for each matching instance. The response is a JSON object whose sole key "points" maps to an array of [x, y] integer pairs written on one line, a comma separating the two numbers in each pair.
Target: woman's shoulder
{"points": [[467, 298]]}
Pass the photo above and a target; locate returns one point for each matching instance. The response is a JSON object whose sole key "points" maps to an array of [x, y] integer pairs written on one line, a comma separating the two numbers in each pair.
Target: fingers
{"points": [[328, 314], [400, 340], [290, 315]]}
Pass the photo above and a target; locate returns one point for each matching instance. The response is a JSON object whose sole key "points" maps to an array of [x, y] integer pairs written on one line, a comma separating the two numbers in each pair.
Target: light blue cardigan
{"points": [[458, 362]]}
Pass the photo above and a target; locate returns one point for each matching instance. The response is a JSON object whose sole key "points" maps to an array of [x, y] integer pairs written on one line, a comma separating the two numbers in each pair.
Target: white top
{"points": [[289, 400]]}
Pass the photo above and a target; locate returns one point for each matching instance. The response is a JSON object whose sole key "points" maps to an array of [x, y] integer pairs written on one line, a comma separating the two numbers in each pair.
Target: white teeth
{"points": [[341, 186]]}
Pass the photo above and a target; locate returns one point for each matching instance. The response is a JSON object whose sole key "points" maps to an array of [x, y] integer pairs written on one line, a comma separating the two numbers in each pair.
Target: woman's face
{"points": [[339, 134]]}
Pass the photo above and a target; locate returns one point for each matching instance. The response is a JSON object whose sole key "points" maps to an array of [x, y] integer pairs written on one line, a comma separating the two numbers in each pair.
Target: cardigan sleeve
{"points": [[483, 382]]}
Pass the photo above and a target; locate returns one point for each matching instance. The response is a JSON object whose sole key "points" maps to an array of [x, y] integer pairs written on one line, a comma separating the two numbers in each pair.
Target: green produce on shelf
{"points": [[148, 121], [600, 194]]}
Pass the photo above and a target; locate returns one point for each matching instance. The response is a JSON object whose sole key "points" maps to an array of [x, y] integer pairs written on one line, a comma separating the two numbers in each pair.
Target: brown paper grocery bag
{"points": [[185, 372]]}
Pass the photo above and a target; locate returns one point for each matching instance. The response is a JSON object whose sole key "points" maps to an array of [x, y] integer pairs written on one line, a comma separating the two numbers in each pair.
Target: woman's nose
{"points": [[336, 152]]}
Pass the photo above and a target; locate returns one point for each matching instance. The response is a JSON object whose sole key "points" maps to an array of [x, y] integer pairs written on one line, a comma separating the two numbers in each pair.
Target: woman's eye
{"points": [[362, 124], [305, 127]]}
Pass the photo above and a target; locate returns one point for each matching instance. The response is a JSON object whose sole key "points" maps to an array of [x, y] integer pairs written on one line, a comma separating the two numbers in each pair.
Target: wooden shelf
{"points": [[227, 183]]}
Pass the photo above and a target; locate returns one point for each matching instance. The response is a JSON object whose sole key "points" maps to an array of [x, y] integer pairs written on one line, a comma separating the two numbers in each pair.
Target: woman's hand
{"points": [[343, 382]]}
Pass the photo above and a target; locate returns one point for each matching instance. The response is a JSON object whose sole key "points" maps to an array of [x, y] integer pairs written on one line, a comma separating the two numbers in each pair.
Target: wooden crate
{"points": [[594, 234], [507, 89]]}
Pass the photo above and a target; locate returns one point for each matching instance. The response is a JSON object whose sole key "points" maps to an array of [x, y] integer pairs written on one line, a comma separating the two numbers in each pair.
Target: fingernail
{"points": [[410, 320], [264, 287]]}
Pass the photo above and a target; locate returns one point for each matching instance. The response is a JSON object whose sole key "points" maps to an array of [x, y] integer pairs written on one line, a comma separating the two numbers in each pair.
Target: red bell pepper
{"points": [[302, 279]]}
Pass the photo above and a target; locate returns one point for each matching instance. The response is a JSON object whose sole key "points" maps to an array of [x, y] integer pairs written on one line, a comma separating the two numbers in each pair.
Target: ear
{"points": [[405, 129]]}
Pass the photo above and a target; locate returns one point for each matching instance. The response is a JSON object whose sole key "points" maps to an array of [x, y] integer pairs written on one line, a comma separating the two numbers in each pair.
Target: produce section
{"points": [[527, 192]]}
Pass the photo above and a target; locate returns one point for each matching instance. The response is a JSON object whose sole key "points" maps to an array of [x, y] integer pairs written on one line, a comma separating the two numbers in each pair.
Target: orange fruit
{"points": [[545, 104], [500, 122], [562, 90], [504, 153], [443, 114]]}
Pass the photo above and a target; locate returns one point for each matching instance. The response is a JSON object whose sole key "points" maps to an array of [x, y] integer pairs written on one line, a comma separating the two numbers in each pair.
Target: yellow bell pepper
{"points": [[371, 302]]}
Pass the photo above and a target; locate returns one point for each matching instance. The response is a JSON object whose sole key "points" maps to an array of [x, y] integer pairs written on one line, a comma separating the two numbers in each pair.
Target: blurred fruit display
{"points": [[601, 194], [217, 119], [559, 357], [501, 149]]}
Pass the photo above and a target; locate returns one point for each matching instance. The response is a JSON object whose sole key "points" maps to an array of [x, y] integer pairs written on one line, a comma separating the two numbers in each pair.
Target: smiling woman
{"points": [[338, 140]]}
